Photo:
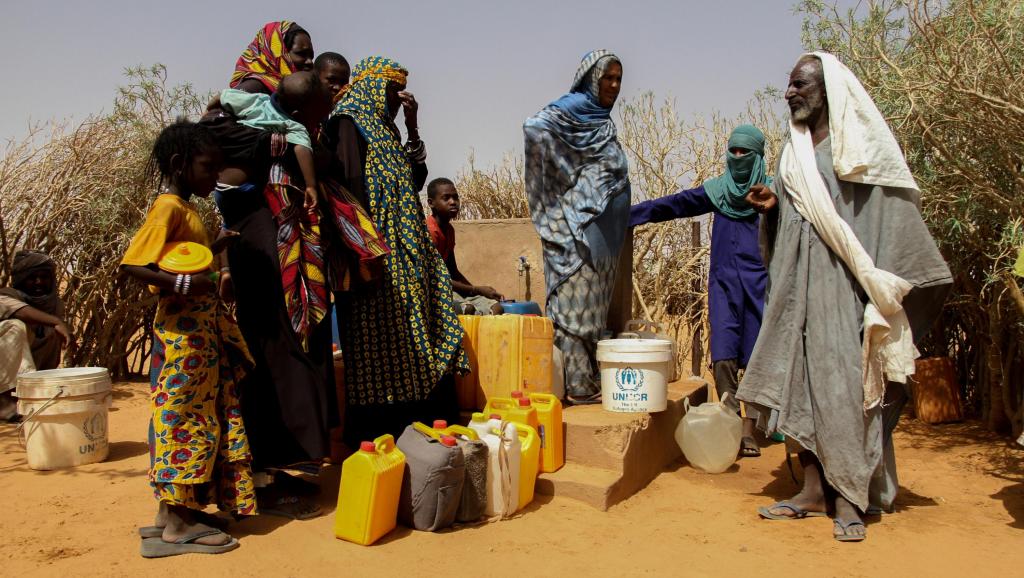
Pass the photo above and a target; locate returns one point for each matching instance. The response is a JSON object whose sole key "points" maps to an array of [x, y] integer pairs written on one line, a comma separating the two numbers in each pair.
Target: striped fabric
{"points": [[264, 58]]}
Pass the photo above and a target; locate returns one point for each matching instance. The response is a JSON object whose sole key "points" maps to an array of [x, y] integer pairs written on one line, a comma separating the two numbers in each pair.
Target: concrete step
{"points": [[596, 487], [611, 456]]}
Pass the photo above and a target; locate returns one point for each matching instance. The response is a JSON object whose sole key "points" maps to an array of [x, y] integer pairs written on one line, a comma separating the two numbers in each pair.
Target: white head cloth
{"points": [[864, 151]]}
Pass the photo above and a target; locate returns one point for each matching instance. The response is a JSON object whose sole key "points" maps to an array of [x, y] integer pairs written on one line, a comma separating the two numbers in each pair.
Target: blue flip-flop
{"points": [[798, 512]]}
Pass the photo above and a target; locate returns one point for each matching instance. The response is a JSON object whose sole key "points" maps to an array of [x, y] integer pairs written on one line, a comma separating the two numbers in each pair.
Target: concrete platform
{"points": [[611, 456]]}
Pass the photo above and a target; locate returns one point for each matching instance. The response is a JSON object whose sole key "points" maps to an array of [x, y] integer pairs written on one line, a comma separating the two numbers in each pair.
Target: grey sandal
{"points": [[798, 512], [157, 548]]}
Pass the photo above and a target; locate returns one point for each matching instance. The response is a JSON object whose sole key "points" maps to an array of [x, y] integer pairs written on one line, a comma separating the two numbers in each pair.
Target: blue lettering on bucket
{"points": [[628, 396], [87, 449]]}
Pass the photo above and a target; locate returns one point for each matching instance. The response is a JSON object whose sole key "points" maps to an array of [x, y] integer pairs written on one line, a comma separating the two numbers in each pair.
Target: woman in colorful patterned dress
{"points": [[402, 339], [199, 449]]}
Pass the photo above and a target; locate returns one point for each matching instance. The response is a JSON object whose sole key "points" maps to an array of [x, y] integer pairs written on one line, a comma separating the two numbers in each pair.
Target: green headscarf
{"points": [[728, 190]]}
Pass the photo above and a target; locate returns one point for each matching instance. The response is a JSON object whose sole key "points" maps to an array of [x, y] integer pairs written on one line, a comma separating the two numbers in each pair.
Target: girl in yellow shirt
{"points": [[198, 447]]}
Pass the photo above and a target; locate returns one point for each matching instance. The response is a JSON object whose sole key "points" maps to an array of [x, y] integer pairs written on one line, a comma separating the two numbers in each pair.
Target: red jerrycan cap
{"points": [[495, 416], [368, 447], [448, 441], [517, 395], [523, 402], [440, 424]]}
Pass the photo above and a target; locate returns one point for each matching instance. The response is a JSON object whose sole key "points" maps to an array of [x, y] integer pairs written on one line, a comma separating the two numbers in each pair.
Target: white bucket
{"points": [[65, 413], [634, 374]]}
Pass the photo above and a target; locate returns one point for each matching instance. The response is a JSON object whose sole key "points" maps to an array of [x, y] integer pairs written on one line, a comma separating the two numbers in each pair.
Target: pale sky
{"points": [[477, 67]]}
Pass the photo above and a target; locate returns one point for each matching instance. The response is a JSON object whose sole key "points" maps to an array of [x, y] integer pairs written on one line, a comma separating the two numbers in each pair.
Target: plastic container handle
{"points": [[385, 443], [426, 430], [463, 431]]}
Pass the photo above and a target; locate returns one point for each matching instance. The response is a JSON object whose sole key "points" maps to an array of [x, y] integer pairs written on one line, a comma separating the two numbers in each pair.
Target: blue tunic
{"points": [[736, 282]]}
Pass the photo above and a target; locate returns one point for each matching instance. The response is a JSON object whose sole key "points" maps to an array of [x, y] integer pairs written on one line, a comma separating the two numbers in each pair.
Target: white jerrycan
{"points": [[709, 436]]}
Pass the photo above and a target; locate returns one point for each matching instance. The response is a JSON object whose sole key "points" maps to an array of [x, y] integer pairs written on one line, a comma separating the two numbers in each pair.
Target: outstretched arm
{"points": [[688, 203]]}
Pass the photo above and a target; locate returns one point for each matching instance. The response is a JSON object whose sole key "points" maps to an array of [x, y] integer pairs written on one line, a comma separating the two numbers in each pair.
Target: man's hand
{"points": [[488, 292], [65, 334], [761, 198]]}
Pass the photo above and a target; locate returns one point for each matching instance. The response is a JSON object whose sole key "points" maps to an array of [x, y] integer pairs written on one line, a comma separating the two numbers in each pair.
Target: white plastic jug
{"points": [[709, 436], [503, 463]]}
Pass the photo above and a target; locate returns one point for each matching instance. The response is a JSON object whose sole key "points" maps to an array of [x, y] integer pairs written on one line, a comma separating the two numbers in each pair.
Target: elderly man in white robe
{"points": [[855, 279]]}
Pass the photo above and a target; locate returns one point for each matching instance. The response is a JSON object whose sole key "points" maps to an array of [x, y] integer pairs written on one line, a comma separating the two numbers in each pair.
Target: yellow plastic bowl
{"points": [[185, 258]]}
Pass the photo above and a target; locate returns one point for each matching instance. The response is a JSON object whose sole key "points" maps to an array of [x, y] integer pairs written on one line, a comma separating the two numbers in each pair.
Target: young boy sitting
{"points": [[443, 200], [300, 101]]}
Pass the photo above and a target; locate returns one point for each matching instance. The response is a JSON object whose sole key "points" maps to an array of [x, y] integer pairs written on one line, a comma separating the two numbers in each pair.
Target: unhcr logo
{"points": [[629, 379]]}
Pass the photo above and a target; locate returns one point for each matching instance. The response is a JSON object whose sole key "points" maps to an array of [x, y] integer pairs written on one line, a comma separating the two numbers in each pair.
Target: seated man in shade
{"points": [[443, 200], [32, 328]]}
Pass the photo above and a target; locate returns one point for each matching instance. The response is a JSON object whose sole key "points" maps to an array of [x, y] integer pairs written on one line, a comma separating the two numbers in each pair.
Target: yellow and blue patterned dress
{"points": [[199, 450], [401, 339]]}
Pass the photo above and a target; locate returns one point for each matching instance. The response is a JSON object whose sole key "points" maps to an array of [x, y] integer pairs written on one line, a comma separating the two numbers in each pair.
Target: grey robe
{"points": [[805, 372]]}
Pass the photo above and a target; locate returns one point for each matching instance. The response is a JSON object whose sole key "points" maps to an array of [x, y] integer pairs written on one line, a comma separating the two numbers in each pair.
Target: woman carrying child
{"points": [[199, 448]]}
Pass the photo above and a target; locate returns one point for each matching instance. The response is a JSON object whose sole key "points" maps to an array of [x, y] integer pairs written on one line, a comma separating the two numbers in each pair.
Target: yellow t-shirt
{"points": [[170, 220]]}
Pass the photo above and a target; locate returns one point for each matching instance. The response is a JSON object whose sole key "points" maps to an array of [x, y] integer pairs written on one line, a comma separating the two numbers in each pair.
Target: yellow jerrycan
{"points": [[528, 466], [467, 387], [552, 435], [371, 480]]}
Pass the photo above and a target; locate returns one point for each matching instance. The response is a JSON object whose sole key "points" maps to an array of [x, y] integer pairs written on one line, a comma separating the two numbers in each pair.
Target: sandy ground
{"points": [[960, 512]]}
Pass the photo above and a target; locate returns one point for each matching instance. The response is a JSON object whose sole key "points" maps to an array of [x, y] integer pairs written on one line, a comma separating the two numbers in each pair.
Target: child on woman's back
{"points": [[301, 101], [199, 452]]}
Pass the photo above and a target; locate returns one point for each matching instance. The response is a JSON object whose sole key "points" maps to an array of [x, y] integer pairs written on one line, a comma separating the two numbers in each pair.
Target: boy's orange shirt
{"points": [[443, 237]]}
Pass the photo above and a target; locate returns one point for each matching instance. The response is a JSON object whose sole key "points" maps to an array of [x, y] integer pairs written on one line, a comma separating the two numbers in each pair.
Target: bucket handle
{"points": [[24, 421]]}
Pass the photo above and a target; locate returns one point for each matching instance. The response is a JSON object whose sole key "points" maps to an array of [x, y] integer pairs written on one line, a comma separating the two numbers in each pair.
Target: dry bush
{"points": [[498, 192], [666, 153], [949, 76], [80, 195]]}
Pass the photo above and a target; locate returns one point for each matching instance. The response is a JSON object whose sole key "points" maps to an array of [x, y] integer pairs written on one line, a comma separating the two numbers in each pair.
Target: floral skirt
{"points": [[200, 452]]}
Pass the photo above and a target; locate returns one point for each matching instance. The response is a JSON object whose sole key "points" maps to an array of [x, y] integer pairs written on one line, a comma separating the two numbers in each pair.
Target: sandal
{"points": [[201, 517], [841, 530], [157, 548], [798, 512], [749, 448]]}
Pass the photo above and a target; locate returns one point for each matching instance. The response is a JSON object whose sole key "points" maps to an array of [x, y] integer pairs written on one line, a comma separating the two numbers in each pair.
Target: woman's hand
{"points": [[202, 284], [227, 287], [410, 109]]}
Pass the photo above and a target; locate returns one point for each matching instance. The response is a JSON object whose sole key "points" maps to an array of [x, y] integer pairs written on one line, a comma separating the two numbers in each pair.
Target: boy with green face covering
{"points": [[736, 281]]}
